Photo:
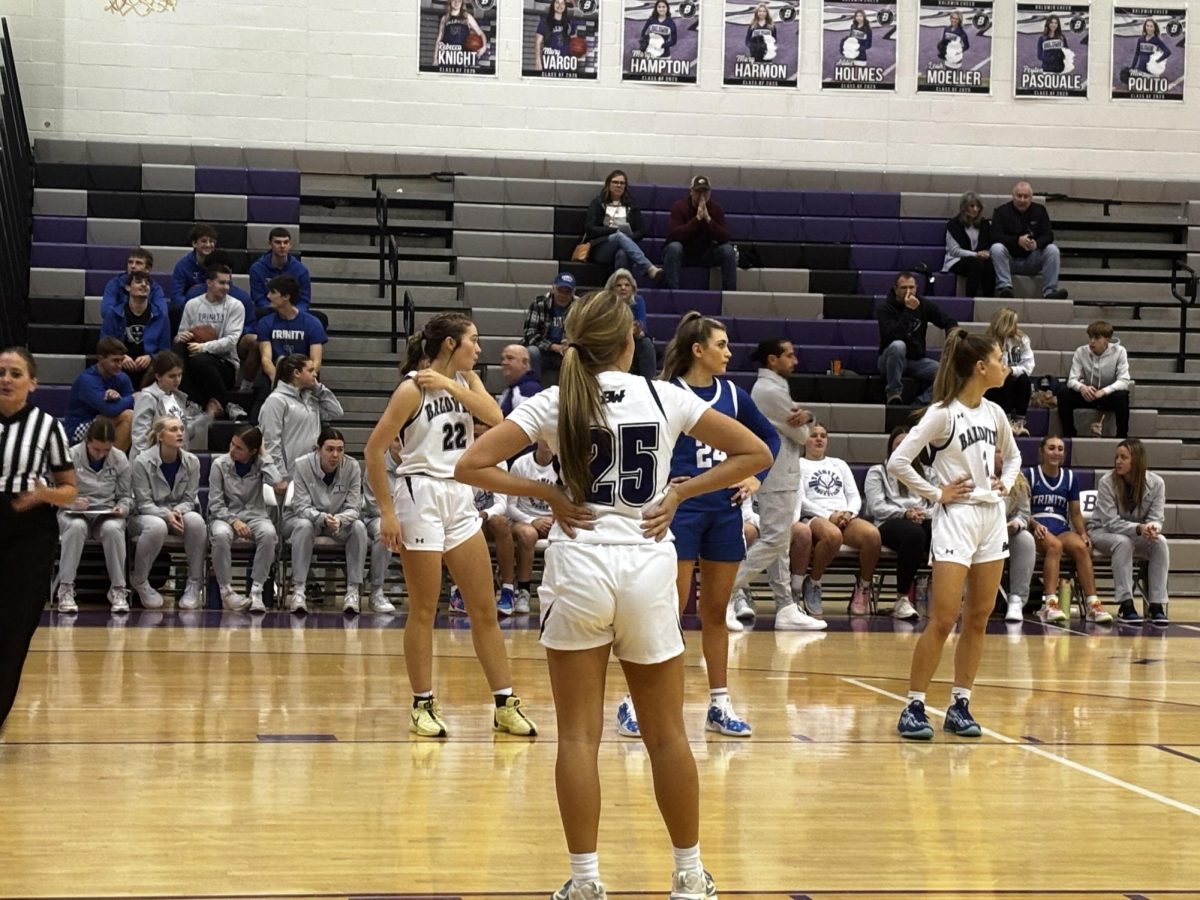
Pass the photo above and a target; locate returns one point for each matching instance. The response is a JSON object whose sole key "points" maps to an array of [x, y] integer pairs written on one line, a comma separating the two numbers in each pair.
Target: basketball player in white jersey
{"points": [[609, 582], [433, 517], [962, 432]]}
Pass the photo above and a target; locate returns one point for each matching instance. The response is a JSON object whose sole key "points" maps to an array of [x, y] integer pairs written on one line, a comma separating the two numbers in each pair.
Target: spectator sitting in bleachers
{"points": [[531, 518], [1023, 242], [1128, 523], [614, 228], [1099, 379], [622, 284], [522, 382], [116, 292], [968, 247], [192, 269], [166, 492], [327, 503], [142, 324], [276, 262], [905, 523], [100, 510], [283, 331], [102, 389], [830, 502], [1022, 555], [903, 319], [211, 365], [162, 398], [247, 345], [381, 556], [545, 328], [1013, 396], [1058, 527], [292, 417], [237, 511], [697, 236]]}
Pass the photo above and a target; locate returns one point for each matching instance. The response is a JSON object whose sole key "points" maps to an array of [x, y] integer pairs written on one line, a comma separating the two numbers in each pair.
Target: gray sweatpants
{"points": [[1022, 559], [381, 556], [151, 533], [1123, 550], [776, 509], [74, 531], [301, 534], [222, 536]]}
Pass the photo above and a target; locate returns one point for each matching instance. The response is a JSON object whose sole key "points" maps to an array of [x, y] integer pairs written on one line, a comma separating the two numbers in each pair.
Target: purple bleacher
{"points": [[776, 228], [661, 327], [274, 182], [923, 231], [756, 330], [1029, 451], [859, 471], [816, 360], [60, 229], [205, 464], [776, 203], [684, 300], [94, 280], [857, 332], [874, 256], [741, 227], [221, 180], [810, 331], [744, 380], [825, 230], [106, 256], [656, 222], [52, 398], [862, 360], [733, 329], [739, 358], [880, 282], [827, 203], [913, 257], [735, 201], [875, 231], [878, 204], [644, 195], [273, 209], [58, 256], [1085, 478], [1037, 421]]}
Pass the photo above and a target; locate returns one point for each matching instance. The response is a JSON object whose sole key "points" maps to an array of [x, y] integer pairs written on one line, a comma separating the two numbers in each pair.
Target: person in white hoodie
{"points": [[291, 418], [163, 398], [1013, 396], [212, 366], [1099, 379]]}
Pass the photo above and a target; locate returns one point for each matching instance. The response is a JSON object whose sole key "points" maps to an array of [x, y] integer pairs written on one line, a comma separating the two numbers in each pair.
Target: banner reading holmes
{"points": [[858, 46], [661, 41], [762, 43], [457, 37], [954, 47], [1052, 50], [560, 38], [1148, 53]]}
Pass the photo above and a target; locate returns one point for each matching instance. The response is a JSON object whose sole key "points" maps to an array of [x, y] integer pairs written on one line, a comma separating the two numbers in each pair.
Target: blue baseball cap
{"points": [[565, 280]]}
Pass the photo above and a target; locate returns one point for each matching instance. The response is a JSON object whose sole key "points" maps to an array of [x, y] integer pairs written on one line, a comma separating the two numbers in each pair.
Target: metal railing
{"points": [[402, 307], [16, 201], [1183, 289]]}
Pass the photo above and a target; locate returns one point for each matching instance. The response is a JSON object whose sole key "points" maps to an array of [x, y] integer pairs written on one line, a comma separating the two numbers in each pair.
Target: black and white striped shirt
{"points": [[32, 445]]}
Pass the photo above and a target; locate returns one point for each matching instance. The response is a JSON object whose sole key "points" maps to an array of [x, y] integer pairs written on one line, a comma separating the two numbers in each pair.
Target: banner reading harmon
{"points": [[762, 43], [1148, 56], [1052, 50], [560, 38], [858, 46], [954, 47], [457, 37], [661, 41]]}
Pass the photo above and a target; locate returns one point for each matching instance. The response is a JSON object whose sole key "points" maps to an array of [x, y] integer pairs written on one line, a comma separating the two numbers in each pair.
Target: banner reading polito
{"points": [[858, 46], [661, 41], [762, 43], [1052, 50], [1148, 53], [954, 47], [560, 38], [457, 37]]}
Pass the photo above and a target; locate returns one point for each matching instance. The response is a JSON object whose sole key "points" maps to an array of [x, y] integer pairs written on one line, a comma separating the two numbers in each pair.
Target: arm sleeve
{"points": [[1076, 373], [1045, 232], [143, 496], [535, 327], [954, 250], [671, 41], [593, 224], [499, 506], [1123, 382], [775, 403], [1107, 517], [270, 422], [681, 226], [157, 336], [330, 406], [353, 511], [302, 501], [179, 283], [218, 508], [854, 501], [637, 225], [717, 227], [639, 310], [1022, 512], [866, 44], [1009, 451], [1026, 363], [188, 319], [1162, 47], [933, 429], [879, 507], [231, 330], [1158, 502], [962, 33], [750, 416], [112, 297], [258, 285], [143, 418], [1005, 227], [191, 488], [124, 489]]}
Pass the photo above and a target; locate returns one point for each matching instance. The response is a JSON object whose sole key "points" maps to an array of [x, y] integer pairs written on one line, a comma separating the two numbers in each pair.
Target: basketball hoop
{"points": [[141, 7]]}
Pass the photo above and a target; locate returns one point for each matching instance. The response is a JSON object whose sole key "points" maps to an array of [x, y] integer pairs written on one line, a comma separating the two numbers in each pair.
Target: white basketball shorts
{"points": [[435, 514], [968, 533]]}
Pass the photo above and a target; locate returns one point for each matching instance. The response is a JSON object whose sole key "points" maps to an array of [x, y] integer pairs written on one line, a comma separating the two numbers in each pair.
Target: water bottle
{"points": [[1064, 596]]}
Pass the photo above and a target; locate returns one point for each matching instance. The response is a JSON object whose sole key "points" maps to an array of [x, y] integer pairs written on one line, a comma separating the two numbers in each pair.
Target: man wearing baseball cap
{"points": [[545, 328], [697, 236]]}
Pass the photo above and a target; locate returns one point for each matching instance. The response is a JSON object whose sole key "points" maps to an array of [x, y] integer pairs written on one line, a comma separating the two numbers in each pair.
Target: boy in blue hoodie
{"points": [[116, 292], [102, 390], [275, 262], [141, 323]]}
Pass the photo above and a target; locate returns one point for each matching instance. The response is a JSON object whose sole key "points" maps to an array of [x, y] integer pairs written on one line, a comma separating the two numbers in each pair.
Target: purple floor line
{"points": [[1165, 749]]}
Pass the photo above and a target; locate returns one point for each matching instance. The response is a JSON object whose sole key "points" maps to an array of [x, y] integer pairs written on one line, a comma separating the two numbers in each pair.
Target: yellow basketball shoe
{"points": [[426, 719], [509, 718]]}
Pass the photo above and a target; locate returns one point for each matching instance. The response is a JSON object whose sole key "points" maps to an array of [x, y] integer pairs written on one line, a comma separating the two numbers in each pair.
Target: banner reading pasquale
{"points": [[661, 41], [858, 46], [1149, 54], [457, 37], [560, 38], [762, 43], [1052, 50], [954, 47]]}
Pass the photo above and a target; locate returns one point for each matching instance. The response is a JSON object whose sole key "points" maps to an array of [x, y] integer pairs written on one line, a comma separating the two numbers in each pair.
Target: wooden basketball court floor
{"points": [[221, 756]]}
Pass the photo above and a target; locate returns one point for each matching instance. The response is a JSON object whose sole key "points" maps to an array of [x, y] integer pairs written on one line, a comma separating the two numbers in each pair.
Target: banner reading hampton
{"points": [[858, 46], [762, 43], [560, 38], [457, 37], [1051, 48], [661, 41], [1148, 55], [954, 47]]}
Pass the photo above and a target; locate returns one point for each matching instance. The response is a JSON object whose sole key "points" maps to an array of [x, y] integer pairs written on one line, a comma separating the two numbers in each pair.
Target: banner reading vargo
{"points": [[954, 47], [1148, 53], [457, 37], [661, 41], [1052, 50], [762, 43], [858, 46], [560, 38]]}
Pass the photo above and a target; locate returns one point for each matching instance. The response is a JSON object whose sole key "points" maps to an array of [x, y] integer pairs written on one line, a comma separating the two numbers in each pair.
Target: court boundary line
{"points": [[1053, 757], [1115, 893]]}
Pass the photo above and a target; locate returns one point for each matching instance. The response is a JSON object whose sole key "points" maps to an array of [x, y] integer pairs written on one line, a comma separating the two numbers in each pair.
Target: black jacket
{"points": [[957, 230], [594, 227], [899, 323], [1008, 225]]}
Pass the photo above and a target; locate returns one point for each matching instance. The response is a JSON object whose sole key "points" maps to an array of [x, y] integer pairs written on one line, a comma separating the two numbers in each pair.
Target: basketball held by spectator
{"points": [[202, 334]]}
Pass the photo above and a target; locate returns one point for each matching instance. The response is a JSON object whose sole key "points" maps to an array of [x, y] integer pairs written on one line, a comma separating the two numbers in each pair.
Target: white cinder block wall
{"points": [[342, 74]]}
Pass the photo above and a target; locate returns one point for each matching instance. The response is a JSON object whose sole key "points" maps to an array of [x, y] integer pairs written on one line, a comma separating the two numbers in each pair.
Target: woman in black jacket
{"points": [[614, 226], [968, 237]]}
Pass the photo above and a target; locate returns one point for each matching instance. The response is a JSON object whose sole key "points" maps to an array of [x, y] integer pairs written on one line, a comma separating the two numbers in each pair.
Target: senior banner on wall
{"points": [[954, 47], [1052, 50], [762, 43], [560, 38], [661, 41], [858, 46], [1148, 55], [457, 37]]}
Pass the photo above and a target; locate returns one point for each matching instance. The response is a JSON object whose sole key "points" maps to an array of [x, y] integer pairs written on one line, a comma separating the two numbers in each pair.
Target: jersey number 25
{"points": [[632, 453]]}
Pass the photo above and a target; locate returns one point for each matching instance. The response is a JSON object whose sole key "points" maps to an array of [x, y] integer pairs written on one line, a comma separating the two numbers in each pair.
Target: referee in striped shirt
{"points": [[36, 475]]}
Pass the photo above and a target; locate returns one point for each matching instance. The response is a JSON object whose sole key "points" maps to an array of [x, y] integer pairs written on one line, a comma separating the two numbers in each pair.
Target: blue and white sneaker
{"points": [[723, 720], [914, 724], [627, 723], [458, 606], [960, 721], [1127, 613], [811, 594], [504, 605]]}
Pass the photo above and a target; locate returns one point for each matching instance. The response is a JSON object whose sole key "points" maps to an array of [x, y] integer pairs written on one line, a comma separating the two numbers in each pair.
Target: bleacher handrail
{"points": [[1183, 290], [16, 200]]}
